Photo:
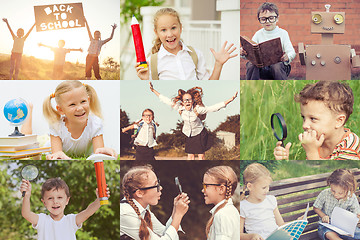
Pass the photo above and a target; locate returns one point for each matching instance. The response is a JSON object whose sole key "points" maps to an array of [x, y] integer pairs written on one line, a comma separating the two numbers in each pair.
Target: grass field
{"points": [[260, 99], [38, 69]]}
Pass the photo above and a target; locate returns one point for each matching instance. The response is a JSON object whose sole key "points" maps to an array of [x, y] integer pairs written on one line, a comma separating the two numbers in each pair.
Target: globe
{"points": [[16, 111]]}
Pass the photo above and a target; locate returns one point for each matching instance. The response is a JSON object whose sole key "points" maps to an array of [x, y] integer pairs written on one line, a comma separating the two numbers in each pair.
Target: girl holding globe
{"points": [[75, 125]]}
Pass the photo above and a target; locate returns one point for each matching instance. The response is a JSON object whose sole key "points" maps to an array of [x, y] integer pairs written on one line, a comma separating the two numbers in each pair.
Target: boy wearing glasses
{"points": [[268, 16]]}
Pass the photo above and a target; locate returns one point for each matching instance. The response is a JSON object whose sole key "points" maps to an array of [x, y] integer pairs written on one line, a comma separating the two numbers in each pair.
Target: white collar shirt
{"points": [[130, 224], [192, 123], [180, 66], [146, 135], [226, 222]]}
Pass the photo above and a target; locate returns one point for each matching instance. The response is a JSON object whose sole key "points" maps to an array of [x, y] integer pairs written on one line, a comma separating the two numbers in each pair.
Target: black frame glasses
{"points": [[210, 184], [155, 186], [271, 19], [187, 100]]}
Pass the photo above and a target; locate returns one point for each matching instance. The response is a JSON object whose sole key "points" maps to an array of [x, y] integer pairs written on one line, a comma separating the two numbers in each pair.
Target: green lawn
{"points": [[259, 99]]}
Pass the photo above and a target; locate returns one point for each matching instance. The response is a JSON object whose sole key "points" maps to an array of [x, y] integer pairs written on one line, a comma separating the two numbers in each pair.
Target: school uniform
{"points": [[130, 224], [226, 222], [145, 141], [197, 136], [180, 66]]}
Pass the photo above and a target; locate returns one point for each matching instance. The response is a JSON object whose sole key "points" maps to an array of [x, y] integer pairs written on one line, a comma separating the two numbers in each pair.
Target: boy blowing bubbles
{"points": [[55, 196], [325, 108]]}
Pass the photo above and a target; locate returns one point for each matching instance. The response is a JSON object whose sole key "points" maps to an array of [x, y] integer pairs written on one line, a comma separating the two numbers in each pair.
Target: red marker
{"points": [[101, 181], [139, 46]]}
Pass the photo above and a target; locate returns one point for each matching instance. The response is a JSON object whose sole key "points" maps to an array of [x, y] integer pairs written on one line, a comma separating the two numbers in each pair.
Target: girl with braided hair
{"points": [[219, 184], [142, 188], [192, 110]]}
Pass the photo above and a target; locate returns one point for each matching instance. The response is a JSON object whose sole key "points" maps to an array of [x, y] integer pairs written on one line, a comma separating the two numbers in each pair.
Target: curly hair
{"points": [[196, 95], [337, 96]]}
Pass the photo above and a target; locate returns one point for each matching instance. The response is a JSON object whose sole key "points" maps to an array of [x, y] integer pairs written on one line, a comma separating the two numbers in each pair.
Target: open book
{"points": [[342, 222], [263, 54], [291, 230]]}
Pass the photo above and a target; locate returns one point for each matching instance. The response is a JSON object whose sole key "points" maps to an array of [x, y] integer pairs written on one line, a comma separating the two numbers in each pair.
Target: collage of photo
{"points": [[89, 125]]}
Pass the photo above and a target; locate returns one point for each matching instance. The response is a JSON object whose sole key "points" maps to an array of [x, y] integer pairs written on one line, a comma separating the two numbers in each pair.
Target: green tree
{"points": [[125, 138]]}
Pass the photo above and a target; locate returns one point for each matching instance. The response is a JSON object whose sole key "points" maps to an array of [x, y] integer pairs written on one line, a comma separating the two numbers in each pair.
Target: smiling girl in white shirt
{"points": [[174, 60], [219, 184], [142, 188], [191, 109]]}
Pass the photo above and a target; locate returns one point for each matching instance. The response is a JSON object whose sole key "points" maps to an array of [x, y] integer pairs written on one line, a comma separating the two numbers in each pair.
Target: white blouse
{"points": [[130, 224], [192, 124], [226, 222], [83, 144]]}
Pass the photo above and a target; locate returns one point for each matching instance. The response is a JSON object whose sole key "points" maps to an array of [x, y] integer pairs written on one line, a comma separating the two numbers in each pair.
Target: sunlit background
{"points": [[99, 14]]}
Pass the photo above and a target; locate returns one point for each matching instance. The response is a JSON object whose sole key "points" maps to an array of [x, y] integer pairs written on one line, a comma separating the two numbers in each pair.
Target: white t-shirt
{"points": [[180, 66], [49, 229], [82, 145], [226, 222], [259, 218]]}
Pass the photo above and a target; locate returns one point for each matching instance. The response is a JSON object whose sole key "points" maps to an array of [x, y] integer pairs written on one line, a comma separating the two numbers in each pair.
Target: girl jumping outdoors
{"points": [[172, 59], [219, 184], [191, 109], [92, 59], [17, 50], [145, 137], [142, 188], [75, 125]]}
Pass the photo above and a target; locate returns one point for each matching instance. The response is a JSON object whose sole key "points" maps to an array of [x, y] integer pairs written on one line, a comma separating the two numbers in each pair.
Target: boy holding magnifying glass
{"points": [[325, 108]]}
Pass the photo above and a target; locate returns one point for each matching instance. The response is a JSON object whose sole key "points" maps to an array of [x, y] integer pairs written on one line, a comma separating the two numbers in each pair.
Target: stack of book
{"points": [[21, 147]]}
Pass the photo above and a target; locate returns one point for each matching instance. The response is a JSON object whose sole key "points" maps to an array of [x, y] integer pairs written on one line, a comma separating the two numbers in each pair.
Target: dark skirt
{"points": [[197, 144], [144, 153]]}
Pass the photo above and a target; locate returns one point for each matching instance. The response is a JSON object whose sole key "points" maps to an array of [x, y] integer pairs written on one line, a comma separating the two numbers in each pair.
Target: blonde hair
{"points": [[159, 13], [252, 173], [134, 179], [222, 175], [52, 115]]}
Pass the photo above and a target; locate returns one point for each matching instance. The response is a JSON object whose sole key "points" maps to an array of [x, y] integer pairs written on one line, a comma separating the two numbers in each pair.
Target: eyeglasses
{"points": [[271, 19], [156, 186], [187, 100], [205, 185], [147, 115]]}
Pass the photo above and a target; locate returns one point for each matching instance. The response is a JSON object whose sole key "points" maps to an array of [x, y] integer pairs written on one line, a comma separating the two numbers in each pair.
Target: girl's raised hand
{"points": [[181, 204], [224, 54], [231, 99], [114, 26], [5, 20], [141, 72]]}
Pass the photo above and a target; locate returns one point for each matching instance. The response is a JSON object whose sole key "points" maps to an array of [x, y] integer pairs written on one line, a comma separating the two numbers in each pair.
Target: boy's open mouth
{"points": [[56, 207]]}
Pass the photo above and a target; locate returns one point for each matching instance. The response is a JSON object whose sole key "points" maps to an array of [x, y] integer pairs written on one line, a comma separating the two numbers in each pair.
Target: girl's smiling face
{"points": [[75, 105], [187, 101], [168, 29], [213, 194]]}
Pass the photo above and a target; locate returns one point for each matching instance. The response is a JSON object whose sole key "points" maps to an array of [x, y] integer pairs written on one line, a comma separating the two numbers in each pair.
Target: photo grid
{"points": [[95, 144], [299, 107]]}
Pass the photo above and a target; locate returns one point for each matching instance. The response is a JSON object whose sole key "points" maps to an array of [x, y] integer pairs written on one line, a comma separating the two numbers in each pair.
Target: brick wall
{"points": [[295, 17]]}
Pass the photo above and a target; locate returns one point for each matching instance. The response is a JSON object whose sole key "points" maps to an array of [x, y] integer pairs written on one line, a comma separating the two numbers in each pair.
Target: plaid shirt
{"points": [[326, 202]]}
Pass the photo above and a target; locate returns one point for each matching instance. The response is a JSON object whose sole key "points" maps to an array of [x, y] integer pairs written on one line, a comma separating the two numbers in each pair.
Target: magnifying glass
{"points": [[29, 172], [278, 126]]}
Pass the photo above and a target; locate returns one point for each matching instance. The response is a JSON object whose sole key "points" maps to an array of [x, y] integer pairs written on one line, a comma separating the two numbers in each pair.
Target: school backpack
{"points": [[136, 131], [154, 63]]}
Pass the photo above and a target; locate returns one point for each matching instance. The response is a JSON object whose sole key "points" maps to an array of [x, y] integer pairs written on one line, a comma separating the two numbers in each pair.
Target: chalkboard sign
{"points": [[59, 16]]}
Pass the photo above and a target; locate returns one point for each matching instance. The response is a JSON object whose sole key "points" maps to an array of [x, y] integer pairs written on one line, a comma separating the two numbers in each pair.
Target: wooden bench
{"points": [[293, 194]]}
